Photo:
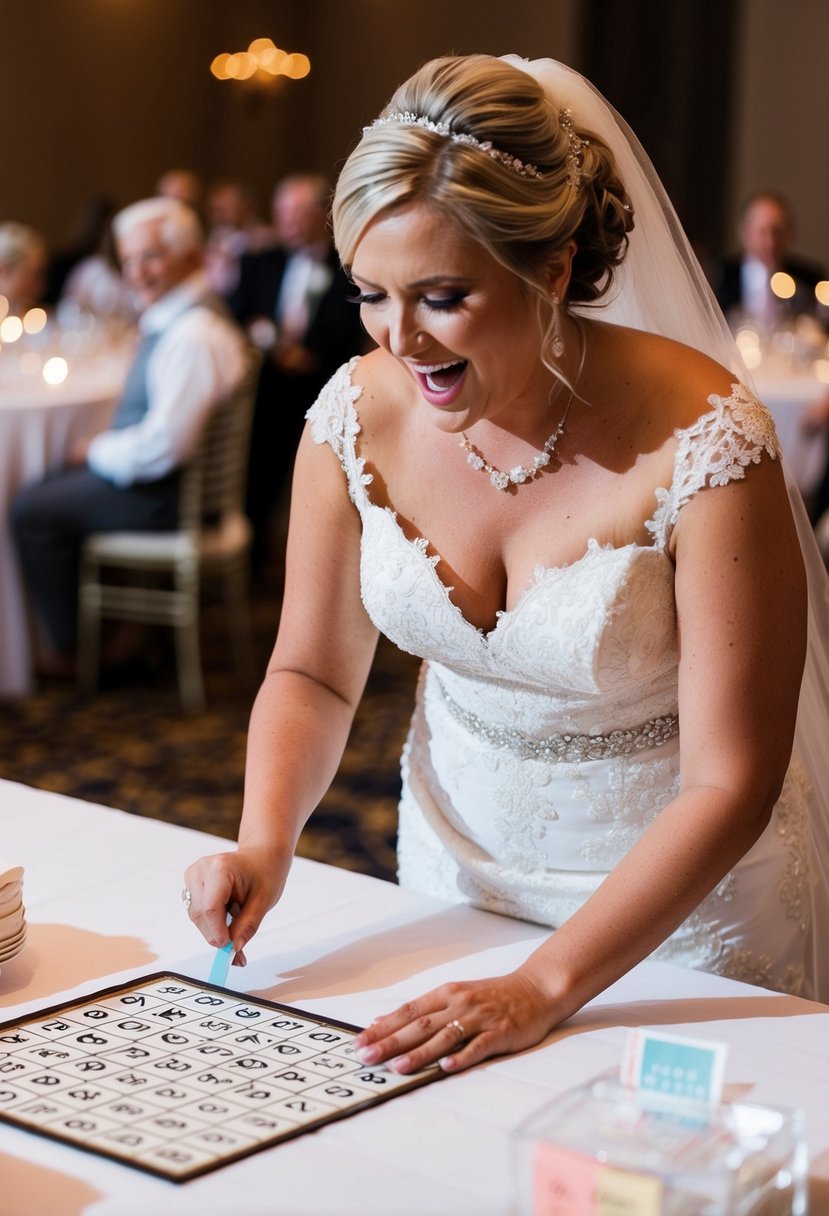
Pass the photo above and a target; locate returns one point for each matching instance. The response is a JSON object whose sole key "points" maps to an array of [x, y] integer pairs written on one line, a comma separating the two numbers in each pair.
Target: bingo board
{"points": [[178, 1078]]}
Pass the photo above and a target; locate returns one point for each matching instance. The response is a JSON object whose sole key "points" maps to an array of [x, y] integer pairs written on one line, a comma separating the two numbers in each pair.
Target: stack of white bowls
{"points": [[12, 912]]}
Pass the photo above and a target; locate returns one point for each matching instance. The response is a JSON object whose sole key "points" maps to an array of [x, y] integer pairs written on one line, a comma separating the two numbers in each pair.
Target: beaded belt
{"points": [[567, 748]]}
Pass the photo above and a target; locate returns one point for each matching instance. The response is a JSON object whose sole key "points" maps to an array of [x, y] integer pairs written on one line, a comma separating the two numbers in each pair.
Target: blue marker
{"points": [[218, 972]]}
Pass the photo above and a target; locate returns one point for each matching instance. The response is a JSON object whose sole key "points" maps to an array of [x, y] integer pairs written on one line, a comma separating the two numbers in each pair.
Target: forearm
{"points": [[298, 732], [688, 849]]}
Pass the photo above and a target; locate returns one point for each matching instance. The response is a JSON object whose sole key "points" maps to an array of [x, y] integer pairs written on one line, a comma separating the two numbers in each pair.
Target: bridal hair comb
{"points": [[575, 156], [406, 119]]}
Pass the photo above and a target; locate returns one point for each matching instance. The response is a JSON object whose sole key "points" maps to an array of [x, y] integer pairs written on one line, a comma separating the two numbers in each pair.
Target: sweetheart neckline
{"points": [[540, 573]]}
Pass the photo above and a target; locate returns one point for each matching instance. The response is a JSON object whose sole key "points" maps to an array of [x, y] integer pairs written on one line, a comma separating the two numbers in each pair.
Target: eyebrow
{"points": [[437, 280]]}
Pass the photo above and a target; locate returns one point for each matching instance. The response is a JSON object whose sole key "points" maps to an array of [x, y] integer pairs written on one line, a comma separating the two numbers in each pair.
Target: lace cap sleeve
{"points": [[718, 448], [333, 420]]}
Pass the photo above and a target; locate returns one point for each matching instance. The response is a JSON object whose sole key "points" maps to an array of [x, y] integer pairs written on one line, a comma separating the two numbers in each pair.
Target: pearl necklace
{"points": [[521, 472]]}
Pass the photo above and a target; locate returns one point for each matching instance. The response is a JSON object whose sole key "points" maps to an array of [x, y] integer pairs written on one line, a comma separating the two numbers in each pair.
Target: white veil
{"points": [[661, 288]]}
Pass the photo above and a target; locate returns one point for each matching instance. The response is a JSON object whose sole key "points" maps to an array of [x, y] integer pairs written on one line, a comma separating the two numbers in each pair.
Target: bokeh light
{"points": [[783, 285], [260, 47], [55, 370], [262, 59], [748, 344], [34, 321], [10, 329], [219, 66], [296, 66], [822, 292]]}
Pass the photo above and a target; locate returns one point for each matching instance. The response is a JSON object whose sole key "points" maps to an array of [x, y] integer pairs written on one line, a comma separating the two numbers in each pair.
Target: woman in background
{"points": [[22, 267]]}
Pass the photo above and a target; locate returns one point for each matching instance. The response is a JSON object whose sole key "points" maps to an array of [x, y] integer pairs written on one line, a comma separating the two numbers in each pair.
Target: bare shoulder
{"points": [[667, 380], [384, 388], [383, 384]]}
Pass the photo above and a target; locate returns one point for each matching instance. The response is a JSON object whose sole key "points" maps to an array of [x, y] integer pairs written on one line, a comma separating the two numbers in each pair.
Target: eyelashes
{"points": [[441, 304], [364, 297]]}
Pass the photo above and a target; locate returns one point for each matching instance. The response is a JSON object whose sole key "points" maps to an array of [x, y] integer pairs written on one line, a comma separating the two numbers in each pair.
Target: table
{"points": [[102, 891], [38, 423], [789, 396]]}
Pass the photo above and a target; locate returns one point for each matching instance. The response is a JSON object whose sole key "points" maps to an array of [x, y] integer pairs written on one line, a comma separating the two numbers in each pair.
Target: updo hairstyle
{"points": [[522, 221]]}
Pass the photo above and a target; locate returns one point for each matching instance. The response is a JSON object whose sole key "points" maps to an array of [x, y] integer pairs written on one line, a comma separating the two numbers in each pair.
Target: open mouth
{"points": [[441, 377]]}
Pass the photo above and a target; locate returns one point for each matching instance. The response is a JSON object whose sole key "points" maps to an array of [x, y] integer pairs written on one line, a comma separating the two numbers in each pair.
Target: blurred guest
{"points": [[95, 287], [293, 300], [91, 223], [742, 282], [234, 228], [191, 355], [181, 184], [22, 266]]}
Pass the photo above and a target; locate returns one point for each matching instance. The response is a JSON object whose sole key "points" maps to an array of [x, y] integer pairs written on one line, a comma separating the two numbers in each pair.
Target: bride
{"points": [[551, 482]]}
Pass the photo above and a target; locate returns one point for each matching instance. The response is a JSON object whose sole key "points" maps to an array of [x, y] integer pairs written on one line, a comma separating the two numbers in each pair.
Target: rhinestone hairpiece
{"points": [[575, 156], [406, 119]]}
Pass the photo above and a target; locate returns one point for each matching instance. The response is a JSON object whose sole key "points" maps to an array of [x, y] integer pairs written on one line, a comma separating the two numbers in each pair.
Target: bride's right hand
{"points": [[244, 885]]}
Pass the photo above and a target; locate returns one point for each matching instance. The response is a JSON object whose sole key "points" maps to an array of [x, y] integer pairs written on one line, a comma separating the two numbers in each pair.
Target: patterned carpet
{"points": [[131, 747]]}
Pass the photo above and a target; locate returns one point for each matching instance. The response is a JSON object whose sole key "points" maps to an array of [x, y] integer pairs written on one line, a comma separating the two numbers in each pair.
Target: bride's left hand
{"points": [[459, 1024]]}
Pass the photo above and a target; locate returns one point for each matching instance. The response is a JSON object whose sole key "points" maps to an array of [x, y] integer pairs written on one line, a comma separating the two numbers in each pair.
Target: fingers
{"points": [[214, 887], [239, 886], [457, 1025], [421, 1033]]}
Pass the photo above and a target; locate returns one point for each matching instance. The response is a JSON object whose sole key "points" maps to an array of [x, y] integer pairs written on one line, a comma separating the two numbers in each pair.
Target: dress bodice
{"points": [[591, 637]]}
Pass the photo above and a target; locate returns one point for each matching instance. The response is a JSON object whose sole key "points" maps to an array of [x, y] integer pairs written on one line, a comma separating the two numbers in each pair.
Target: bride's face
{"points": [[464, 327]]}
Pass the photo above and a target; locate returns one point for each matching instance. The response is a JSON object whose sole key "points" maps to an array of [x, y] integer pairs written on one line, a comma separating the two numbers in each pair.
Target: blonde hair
{"points": [[523, 221]]}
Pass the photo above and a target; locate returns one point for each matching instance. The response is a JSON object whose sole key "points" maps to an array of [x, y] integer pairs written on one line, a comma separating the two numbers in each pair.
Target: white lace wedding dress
{"points": [[539, 752]]}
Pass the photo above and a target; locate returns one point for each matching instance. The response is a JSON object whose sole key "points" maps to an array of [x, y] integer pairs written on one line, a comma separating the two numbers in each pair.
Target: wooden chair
{"points": [[213, 539]]}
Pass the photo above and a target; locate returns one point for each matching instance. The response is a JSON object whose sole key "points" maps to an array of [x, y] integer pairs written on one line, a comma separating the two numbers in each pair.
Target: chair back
{"points": [[213, 483]]}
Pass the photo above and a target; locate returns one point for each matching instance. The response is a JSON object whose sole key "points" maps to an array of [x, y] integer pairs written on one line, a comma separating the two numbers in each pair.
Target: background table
{"points": [[102, 890], [38, 423], [789, 396]]}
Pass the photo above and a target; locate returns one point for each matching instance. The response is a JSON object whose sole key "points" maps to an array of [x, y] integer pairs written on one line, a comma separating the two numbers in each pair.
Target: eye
{"points": [[366, 297], [445, 303]]}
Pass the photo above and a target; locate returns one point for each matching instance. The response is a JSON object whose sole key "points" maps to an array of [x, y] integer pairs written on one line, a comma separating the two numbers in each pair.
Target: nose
{"points": [[403, 335]]}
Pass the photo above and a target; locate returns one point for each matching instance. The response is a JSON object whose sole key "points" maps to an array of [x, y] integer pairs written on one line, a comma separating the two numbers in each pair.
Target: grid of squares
{"points": [[179, 1078]]}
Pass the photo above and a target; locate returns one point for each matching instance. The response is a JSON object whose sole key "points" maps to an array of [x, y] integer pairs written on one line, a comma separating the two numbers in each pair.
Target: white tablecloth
{"points": [[102, 890], [38, 423]]}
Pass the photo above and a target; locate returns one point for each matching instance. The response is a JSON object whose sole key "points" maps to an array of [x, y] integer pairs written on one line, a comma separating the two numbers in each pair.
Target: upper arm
{"points": [[741, 607], [324, 630]]}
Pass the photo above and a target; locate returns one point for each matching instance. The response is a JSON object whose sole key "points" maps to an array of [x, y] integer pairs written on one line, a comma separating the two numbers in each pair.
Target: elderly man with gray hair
{"points": [[191, 355]]}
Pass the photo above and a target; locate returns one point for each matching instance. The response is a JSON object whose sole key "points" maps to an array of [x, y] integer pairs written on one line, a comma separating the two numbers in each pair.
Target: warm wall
{"points": [[781, 130], [104, 95]]}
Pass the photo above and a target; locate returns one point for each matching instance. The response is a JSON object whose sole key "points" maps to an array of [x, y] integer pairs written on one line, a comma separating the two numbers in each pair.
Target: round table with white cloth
{"points": [[38, 424]]}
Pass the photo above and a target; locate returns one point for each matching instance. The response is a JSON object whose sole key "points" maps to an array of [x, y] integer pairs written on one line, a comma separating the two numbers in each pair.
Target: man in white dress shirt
{"points": [[191, 356]]}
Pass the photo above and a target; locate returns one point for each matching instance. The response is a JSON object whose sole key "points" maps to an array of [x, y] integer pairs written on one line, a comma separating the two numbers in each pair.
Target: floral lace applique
{"points": [[715, 450], [333, 419]]}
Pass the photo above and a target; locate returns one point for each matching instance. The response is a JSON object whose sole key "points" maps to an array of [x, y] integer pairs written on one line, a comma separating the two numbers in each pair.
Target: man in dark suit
{"points": [[293, 301], [742, 282]]}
